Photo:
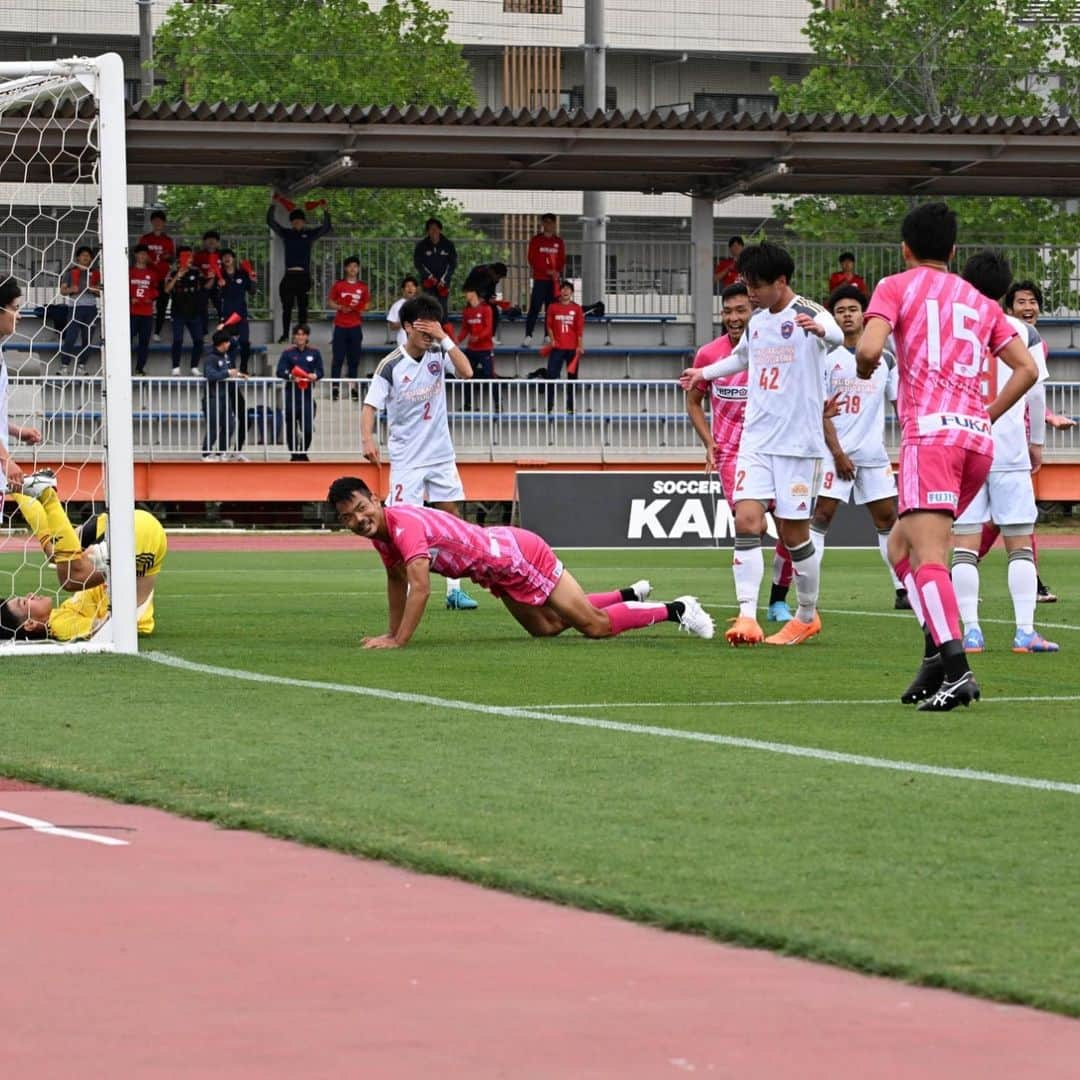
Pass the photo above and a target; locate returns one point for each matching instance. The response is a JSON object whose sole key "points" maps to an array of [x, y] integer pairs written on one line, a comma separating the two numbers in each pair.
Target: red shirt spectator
{"points": [[161, 247], [566, 325], [726, 271], [142, 282], [349, 299], [547, 255], [842, 277], [478, 327]]}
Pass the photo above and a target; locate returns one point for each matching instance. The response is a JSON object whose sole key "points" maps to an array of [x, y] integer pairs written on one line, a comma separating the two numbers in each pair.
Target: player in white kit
{"points": [[410, 385], [1008, 497], [857, 464], [783, 442]]}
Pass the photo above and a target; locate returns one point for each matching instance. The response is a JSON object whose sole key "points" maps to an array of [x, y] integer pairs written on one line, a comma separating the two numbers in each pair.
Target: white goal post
{"points": [[63, 175]]}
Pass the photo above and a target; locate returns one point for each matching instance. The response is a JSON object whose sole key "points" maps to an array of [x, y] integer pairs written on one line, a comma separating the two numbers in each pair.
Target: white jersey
{"points": [[394, 315], [413, 393], [1010, 432], [860, 423], [3, 403], [786, 384]]}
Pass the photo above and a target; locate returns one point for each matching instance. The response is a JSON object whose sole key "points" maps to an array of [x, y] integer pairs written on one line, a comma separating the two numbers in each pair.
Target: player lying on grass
{"points": [[79, 558], [515, 565]]}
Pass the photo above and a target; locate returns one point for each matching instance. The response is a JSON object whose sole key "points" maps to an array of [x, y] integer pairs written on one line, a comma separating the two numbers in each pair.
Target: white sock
{"points": [[1023, 583], [748, 569], [965, 579], [883, 547], [452, 583], [818, 538], [807, 567]]}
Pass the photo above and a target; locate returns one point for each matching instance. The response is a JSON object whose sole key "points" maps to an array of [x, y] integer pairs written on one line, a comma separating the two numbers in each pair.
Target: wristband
{"points": [[446, 344]]}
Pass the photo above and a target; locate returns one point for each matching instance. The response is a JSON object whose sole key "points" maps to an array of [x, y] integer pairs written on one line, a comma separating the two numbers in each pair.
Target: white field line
{"points": [[768, 704], [513, 713], [47, 827]]}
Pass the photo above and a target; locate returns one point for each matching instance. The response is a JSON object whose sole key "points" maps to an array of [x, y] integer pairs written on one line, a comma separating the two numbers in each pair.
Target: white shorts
{"points": [[415, 485], [1007, 498], [871, 484], [790, 482]]}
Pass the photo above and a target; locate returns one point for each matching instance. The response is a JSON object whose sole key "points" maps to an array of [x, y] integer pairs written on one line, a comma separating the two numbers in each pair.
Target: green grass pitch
{"points": [[941, 880]]}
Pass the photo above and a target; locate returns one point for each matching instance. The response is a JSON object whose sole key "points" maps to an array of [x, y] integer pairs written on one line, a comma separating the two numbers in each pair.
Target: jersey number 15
{"points": [[961, 316]]}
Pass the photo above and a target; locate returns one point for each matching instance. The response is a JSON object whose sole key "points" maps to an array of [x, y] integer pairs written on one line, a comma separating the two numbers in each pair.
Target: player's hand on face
{"points": [[845, 467], [384, 641], [430, 327], [805, 322]]}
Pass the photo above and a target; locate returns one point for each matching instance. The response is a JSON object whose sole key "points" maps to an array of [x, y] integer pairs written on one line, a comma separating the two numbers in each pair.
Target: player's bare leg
{"points": [[748, 569], [804, 563], [456, 597]]}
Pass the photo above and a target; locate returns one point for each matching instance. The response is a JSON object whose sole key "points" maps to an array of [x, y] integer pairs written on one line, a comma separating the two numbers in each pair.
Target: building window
{"points": [[532, 7], [751, 103], [574, 98]]}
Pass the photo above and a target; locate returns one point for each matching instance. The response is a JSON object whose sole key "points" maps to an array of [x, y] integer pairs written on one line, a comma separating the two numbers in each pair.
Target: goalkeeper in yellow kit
{"points": [[79, 558]]}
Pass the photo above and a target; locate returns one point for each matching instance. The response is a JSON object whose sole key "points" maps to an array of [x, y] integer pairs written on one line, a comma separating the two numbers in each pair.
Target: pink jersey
{"points": [[942, 326], [491, 557], [728, 396]]}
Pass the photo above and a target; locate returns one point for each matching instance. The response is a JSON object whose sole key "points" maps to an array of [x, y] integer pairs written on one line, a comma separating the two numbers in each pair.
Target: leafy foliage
{"points": [[311, 52]]}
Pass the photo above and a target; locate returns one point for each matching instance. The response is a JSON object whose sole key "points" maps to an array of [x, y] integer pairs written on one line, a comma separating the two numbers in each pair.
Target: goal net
{"points": [[67, 574]]}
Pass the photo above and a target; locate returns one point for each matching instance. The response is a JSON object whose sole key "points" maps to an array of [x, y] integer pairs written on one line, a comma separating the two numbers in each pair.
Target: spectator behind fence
{"points": [[81, 285], [846, 275], [409, 288], [190, 287], [478, 342], [301, 367], [236, 285], [162, 252], [485, 280], [295, 285], [566, 329], [349, 297], [547, 260], [142, 292], [726, 271], [220, 400], [435, 258], [208, 260]]}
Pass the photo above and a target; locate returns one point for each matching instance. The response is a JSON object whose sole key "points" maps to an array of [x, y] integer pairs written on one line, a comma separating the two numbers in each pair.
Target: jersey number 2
{"points": [[427, 411]]}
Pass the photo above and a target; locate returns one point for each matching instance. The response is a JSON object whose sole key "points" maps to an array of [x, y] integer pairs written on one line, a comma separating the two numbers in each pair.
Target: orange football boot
{"points": [[795, 632], [744, 631]]}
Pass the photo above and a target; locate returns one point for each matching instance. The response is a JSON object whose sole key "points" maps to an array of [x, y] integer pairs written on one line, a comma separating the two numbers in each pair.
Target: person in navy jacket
{"points": [[301, 367], [237, 283], [435, 259], [219, 403], [295, 286]]}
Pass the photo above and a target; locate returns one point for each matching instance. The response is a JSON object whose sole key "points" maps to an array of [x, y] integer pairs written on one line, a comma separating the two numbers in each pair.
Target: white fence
{"points": [[496, 420]]}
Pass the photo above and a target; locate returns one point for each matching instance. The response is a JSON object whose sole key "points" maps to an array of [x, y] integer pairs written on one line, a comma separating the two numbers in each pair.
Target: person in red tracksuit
{"points": [[566, 328], [142, 279], [348, 297], [478, 341], [547, 259], [162, 252]]}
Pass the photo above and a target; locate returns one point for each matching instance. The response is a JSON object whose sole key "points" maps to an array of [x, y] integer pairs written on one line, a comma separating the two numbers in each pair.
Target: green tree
{"points": [[934, 58], [311, 52]]}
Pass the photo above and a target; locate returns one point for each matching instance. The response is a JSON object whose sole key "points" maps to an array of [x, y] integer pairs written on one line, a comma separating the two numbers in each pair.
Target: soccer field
{"points": [[777, 797]]}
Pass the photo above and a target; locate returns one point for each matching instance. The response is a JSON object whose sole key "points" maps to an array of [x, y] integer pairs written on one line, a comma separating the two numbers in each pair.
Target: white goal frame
{"points": [[103, 77]]}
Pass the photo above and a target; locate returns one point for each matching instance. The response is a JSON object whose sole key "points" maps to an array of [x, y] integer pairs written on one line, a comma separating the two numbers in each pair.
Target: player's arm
{"points": [[397, 591], [1036, 402], [738, 361], [845, 469], [696, 411], [1024, 373], [367, 434], [418, 590], [822, 325], [871, 346]]}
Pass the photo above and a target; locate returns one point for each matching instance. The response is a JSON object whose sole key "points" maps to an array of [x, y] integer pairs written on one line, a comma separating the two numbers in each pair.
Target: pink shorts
{"points": [[938, 477], [533, 577], [725, 467]]}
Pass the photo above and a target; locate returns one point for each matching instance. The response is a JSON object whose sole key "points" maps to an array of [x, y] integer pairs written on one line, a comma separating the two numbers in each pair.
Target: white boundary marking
{"points": [[763, 703], [47, 827], [514, 713]]}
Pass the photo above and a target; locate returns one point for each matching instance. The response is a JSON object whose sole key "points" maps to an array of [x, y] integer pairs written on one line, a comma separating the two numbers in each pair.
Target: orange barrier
{"points": [[198, 481]]}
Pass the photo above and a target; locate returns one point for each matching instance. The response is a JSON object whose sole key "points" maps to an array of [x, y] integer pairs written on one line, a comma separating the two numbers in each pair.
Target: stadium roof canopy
{"points": [[297, 147]]}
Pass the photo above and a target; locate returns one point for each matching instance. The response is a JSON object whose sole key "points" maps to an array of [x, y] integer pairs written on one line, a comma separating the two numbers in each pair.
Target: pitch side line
{"points": [[47, 827], [751, 704], [513, 713]]}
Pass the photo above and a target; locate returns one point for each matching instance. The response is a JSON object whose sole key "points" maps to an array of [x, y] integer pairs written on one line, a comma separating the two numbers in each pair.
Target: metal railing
{"points": [[642, 277], [490, 420]]}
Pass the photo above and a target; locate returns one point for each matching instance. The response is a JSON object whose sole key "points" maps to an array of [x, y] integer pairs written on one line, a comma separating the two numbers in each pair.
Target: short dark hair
{"points": [[736, 240], [989, 271], [930, 231], [296, 214], [301, 328], [10, 290], [221, 337], [845, 255], [738, 288], [547, 217], [13, 628], [499, 269], [766, 263], [211, 234], [407, 278], [182, 248], [847, 292], [345, 486], [1023, 286], [432, 221], [140, 247], [420, 307], [227, 251], [351, 259], [84, 247], [158, 214]]}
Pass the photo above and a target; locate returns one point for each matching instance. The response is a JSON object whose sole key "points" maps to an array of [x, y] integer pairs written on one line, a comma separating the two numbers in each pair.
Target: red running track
{"points": [[200, 952]]}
